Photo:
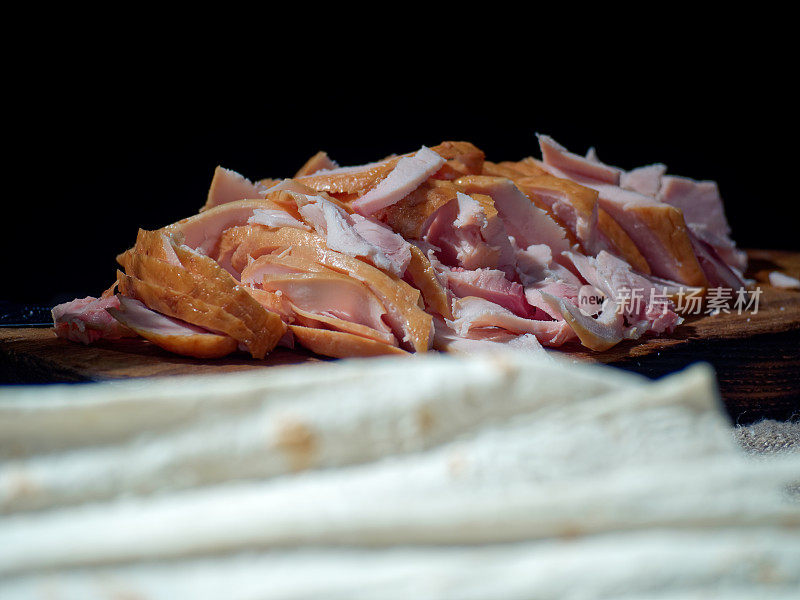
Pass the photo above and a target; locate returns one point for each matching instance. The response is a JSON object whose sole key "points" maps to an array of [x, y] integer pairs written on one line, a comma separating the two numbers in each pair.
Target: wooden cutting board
{"points": [[756, 356]]}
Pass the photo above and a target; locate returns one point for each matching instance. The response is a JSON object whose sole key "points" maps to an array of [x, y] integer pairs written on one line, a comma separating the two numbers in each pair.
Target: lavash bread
{"points": [[434, 477]]}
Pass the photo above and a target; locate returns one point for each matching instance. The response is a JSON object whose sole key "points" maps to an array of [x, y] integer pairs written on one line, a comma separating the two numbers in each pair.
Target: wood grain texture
{"points": [[756, 356], [29, 355]]}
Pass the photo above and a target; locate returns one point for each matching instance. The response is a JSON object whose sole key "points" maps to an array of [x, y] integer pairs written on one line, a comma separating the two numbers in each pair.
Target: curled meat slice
{"points": [[202, 232], [205, 281], [422, 276], [405, 316], [574, 205], [612, 238], [408, 320], [198, 312], [412, 216], [171, 334], [472, 313], [200, 280], [329, 293], [238, 245], [229, 186], [339, 344], [277, 264], [323, 321], [408, 174], [557, 156], [489, 284], [86, 320], [596, 334], [462, 158], [349, 180], [319, 162], [524, 221]]}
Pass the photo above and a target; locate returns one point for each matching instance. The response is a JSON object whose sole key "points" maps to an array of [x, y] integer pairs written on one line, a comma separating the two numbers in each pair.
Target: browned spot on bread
{"points": [[425, 419], [297, 441]]}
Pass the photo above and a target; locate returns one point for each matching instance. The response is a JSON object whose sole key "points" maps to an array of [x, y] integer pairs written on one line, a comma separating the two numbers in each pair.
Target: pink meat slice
{"points": [[202, 232], [555, 155], [356, 236], [658, 310], [409, 173], [272, 217], [718, 272], [86, 320], [699, 201], [539, 274], [171, 334], [267, 264], [319, 162], [489, 284], [290, 185], [492, 232], [330, 294], [535, 264], [472, 313], [470, 212], [599, 334], [622, 205], [229, 186], [483, 341], [583, 225], [523, 220], [644, 304], [395, 249], [644, 180], [617, 202], [559, 289], [337, 170], [466, 237], [140, 316], [704, 212]]}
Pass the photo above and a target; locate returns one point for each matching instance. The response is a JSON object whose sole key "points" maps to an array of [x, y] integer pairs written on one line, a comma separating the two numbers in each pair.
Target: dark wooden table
{"points": [[756, 356]]}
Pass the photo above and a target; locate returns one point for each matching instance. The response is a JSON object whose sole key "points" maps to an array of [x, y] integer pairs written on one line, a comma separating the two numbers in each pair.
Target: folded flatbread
{"points": [[503, 476]]}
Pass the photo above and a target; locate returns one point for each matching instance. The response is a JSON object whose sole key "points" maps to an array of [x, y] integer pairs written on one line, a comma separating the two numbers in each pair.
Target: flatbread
{"points": [[496, 475]]}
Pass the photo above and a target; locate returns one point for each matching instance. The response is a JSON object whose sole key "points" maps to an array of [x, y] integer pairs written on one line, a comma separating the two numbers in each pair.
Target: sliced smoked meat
{"points": [[178, 337], [338, 344]]}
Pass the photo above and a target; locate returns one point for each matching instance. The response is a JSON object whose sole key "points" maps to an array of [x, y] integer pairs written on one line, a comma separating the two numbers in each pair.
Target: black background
{"points": [[105, 142]]}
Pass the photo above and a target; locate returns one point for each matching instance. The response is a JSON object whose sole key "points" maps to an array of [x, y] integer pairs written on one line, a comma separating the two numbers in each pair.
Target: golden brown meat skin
{"points": [[412, 214], [198, 345], [318, 162], [338, 344], [463, 158], [201, 278], [356, 181], [214, 289], [583, 201], [423, 277], [667, 224], [623, 244], [399, 298], [310, 319], [196, 312]]}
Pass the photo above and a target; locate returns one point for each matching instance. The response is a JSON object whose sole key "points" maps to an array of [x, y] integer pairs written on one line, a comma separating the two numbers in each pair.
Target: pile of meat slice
{"points": [[439, 248]]}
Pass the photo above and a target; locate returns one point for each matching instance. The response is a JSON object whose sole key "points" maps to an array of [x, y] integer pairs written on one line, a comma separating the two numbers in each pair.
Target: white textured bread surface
{"points": [[495, 476]]}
